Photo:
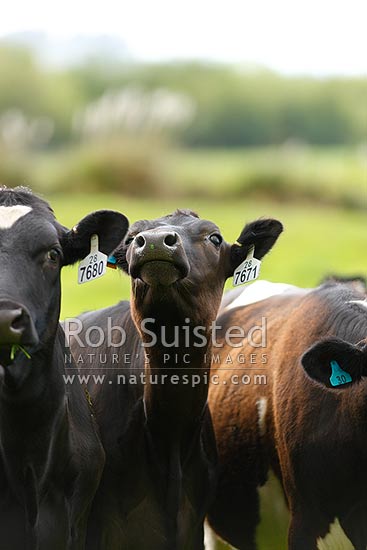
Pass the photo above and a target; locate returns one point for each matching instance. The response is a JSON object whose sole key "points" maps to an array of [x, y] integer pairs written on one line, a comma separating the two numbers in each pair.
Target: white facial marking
{"points": [[260, 290], [10, 214], [362, 303], [262, 406], [335, 539]]}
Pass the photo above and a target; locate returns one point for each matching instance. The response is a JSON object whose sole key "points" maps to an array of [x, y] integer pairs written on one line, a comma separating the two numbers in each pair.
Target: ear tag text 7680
{"points": [[94, 265], [248, 271]]}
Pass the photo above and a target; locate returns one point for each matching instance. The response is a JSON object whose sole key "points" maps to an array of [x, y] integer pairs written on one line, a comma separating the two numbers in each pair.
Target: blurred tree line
{"points": [[181, 129], [221, 106]]}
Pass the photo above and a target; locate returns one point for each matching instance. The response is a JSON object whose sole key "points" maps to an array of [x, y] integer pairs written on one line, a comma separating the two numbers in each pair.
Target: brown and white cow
{"points": [[153, 415], [312, 435]]}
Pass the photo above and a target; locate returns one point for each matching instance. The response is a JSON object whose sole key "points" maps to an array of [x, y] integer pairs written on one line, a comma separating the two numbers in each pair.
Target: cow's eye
{"points": [[216, 239], [53, 255]]}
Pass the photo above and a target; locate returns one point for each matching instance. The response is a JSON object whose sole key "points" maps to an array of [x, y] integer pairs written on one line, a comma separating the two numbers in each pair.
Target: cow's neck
{"points": [[177, 370], [176, 385]]}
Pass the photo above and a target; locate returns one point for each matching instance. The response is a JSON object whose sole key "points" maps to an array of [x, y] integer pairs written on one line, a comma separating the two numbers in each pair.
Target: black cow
{"points": [[51, 458], [155, 423]]}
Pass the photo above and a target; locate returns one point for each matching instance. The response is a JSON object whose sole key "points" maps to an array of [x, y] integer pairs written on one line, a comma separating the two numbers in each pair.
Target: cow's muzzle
{"points": [[158, 258], [16, 325]]}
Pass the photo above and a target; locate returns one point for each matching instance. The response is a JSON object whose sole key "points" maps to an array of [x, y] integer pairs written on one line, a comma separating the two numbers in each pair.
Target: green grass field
{"points": [[316, 241]]}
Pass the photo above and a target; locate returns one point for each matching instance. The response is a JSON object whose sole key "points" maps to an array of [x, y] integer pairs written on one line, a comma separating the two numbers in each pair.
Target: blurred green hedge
{"points": [[336, 177], [125, 169]]}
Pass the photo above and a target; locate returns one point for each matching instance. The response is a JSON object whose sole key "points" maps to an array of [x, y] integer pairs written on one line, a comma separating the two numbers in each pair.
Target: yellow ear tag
{"points": [[248, 271], [94, 265]]}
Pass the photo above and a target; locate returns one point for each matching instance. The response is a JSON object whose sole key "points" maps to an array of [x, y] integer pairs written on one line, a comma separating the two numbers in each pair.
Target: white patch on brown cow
{"points": [[11, 214], [362, 303], [260, 290], [210, 540], [213, 541], [262, 407], [336, 539]]}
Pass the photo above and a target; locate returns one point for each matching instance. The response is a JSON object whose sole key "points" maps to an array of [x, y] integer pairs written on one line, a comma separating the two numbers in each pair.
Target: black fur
{"points": [[51, 458]]}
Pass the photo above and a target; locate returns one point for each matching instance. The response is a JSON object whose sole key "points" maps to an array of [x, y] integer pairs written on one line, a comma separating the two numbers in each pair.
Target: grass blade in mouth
{"points": [[15, 348]]}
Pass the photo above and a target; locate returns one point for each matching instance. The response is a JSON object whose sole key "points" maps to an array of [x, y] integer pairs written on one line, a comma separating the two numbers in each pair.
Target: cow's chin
{"points": [[160, 273], [5, 355]]}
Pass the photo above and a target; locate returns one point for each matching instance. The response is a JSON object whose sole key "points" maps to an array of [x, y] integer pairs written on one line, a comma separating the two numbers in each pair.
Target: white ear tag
{"points": [[94, 265], [248, 271]]}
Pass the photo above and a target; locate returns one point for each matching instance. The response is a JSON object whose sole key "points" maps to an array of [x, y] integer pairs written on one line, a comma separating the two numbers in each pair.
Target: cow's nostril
{"points": [[170, 239], [18, 322], [140, 241]]}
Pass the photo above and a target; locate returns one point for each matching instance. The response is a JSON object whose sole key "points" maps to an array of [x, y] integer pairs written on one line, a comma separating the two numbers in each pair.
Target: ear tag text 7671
{"points": [[248, 271], [94, 265], [338, 375]]}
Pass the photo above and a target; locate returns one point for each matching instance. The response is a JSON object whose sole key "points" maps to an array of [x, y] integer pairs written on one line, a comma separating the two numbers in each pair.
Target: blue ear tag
{"points": [[338, 375], [111, 262]]}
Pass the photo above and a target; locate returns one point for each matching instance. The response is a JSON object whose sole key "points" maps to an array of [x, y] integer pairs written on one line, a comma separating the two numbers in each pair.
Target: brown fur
{"points": [[304, 423], [160, 450]]}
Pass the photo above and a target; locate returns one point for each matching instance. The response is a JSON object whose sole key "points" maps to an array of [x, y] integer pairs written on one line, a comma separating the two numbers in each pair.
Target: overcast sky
{"points": [[319, 37]]}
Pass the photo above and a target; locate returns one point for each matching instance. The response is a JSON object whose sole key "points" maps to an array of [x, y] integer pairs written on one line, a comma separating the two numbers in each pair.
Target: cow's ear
{"points": [[334, 363], [262, 234], [110, 227]]}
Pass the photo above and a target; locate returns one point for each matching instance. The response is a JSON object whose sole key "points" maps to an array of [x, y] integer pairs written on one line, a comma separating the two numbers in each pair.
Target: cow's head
{"points": [[336, 364], [179, 263], [33, 249]]}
